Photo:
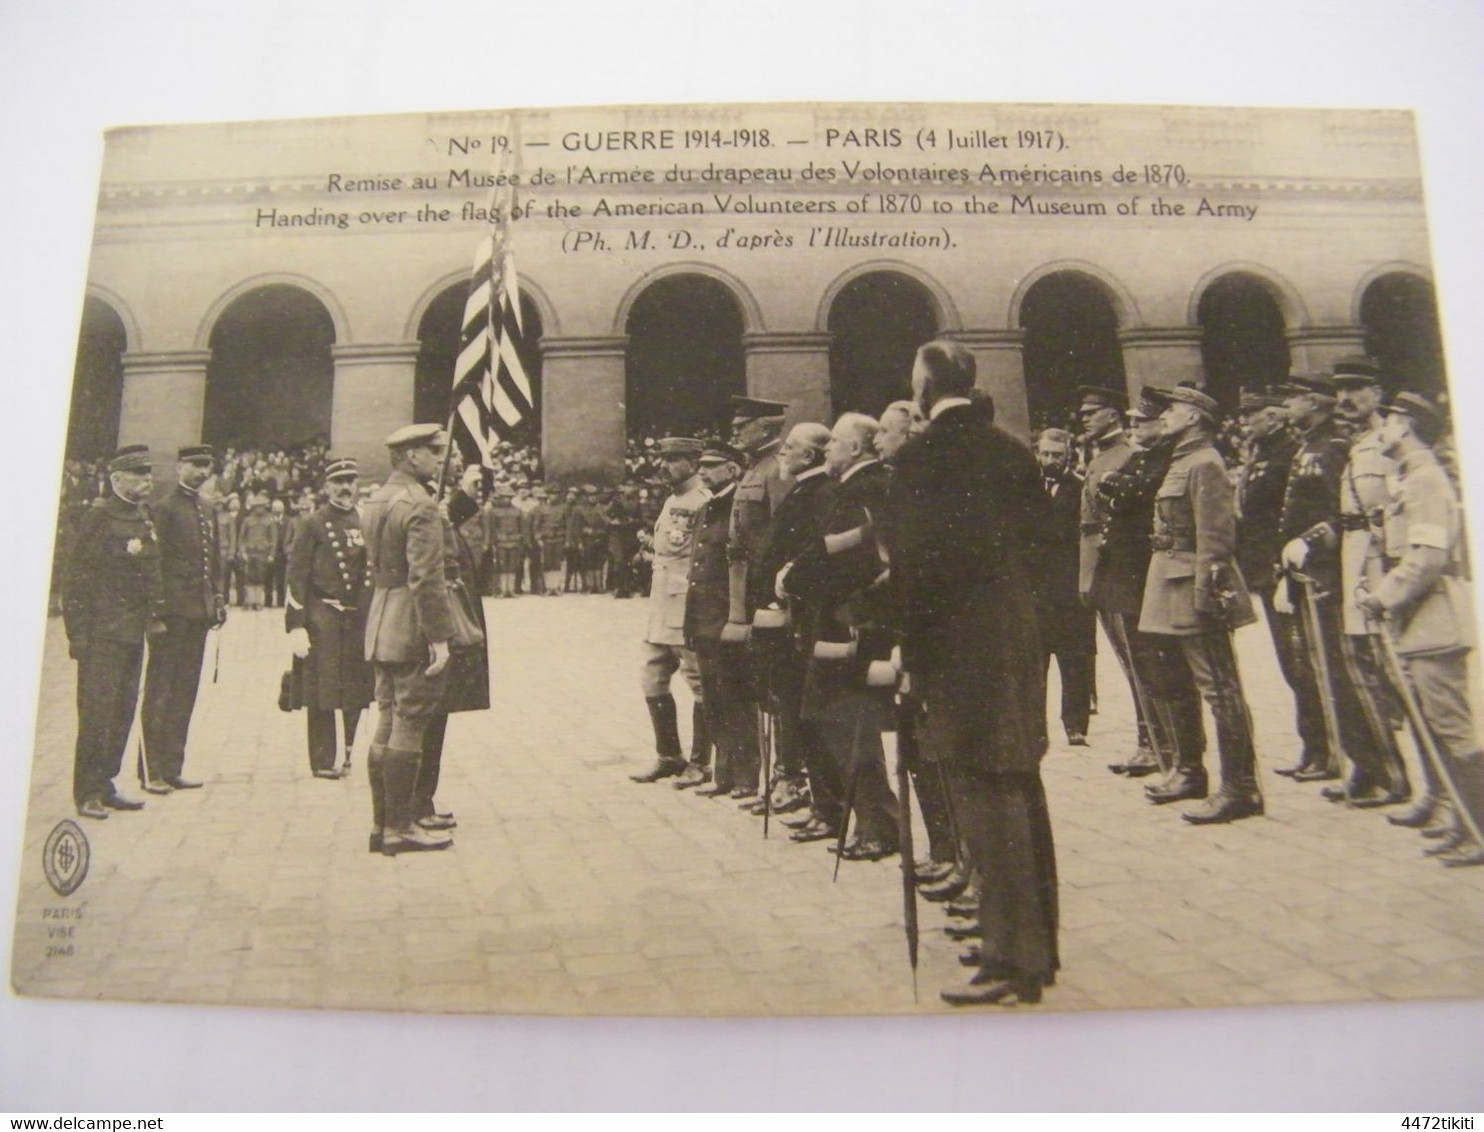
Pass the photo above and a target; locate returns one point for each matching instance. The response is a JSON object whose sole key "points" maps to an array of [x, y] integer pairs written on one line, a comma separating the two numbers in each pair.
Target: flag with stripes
{"points": [[491, 391]]}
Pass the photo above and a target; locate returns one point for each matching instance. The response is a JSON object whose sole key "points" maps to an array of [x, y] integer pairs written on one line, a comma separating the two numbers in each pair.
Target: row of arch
{"points": [[270, 379]]}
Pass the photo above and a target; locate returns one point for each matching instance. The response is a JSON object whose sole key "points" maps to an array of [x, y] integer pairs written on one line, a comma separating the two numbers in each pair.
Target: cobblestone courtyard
{"points": [[572, 890]]}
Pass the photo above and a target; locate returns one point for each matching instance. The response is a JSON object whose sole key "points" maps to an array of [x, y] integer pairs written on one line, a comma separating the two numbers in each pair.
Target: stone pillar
{"points": [[1000, 363], [791, 366], [583, 416], [164, 402], [1161, 355], [1315, 348], [373, 396]]}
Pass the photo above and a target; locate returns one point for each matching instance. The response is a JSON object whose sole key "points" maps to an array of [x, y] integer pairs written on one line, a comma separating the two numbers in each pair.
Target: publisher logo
{"points": [[65, 858]]}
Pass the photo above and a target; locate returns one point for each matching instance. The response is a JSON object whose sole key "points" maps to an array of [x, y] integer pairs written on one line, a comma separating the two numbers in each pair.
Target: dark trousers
{"points": [[730, 718], [1213, 667], [1366, 741], [1006, 830], [107, 692], [1382, 706], [1119, 628], [277, 583], [430, 768], [170, 683], [1075, 666], [850, 734], [801, 750], [1175, 726], [322, 745], [930, 786], [1293, 661]]}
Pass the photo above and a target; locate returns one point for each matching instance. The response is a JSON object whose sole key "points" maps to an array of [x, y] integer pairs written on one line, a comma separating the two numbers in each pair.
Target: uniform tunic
{"points": [[328, 588], [1365, 496], [673, 533], [1260, 494]]}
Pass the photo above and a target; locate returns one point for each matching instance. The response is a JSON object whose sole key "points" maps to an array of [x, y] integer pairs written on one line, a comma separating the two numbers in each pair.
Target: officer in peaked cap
{"points": [[109, 598], [192, 603], [664, 637], [325, 616]]}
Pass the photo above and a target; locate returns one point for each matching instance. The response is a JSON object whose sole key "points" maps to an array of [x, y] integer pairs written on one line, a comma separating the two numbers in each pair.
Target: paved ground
{"points": [[572, 890]]}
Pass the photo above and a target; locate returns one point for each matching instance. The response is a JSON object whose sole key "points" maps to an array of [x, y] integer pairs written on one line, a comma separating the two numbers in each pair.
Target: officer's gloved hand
{"points": [[299, 642], [1282, 601], [1295, 554]]}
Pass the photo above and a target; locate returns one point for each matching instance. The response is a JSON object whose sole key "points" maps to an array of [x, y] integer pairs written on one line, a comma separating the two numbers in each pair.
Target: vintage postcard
{"points": [[610, 561]]}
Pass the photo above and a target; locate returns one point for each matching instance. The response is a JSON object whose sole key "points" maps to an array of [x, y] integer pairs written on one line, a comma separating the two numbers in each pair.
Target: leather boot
{"points": [[1183, 784], [1417, 814], [376, 774], [401, 834], [666, 740]]}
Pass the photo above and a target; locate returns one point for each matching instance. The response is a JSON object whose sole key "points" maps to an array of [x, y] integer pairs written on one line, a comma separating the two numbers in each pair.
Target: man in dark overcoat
{"points": [[191, 604], [964, 500], [326, 617]]}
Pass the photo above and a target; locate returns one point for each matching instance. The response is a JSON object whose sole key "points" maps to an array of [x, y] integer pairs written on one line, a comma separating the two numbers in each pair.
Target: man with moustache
{"points": [[664, 650], [707, 603], [783, 653], [1195, 594], [1067, 626], [1101, 413], [325, 617], [109, 596], [840, 578], [191, 604], [962, 508]]}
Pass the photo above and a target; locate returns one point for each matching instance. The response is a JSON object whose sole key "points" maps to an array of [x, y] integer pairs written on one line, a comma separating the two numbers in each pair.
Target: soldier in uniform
{"points": [[757, 430], [551, 535], [191, 604], [528, 502], [621, 520], [408, 631], [1311, 522], [594, 539], [1426, 609], [664, 648], [1101, 414], [326, 617], [505, 537], [1195, 594], [1365, 496], [1261, 488], [573, 578], [109, 597], [707, 603], [1172, 704]]}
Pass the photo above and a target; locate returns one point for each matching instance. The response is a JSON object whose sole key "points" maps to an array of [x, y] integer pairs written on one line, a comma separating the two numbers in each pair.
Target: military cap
{"points": [[680, 447], [131, 458], [1320, 385], [1356, 369], [341, 467], [1189, 395], [413, 436], [1148, 405], [751, 408], [202, 452], [719, 453], [1103, 397], [1418, 407], [1254, 399]]}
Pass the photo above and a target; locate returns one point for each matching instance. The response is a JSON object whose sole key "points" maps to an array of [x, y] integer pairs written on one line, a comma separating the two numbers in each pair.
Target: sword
{"points": [[850, 785], [765, 749], [1320, 660], [909, 863], [1418, 723], [1157, 715]]}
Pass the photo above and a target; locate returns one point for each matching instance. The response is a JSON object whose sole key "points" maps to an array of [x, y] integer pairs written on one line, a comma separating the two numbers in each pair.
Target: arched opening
{"points": [[1400, 314], [1071, 339], [97, 382], [877, 322], [1242, 337], [684, 358], [271, 376], [438, 350]]}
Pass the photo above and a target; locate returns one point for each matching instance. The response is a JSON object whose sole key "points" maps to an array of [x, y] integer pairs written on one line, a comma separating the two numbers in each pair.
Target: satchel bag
{"points": [[291, 687], [466, 631]]}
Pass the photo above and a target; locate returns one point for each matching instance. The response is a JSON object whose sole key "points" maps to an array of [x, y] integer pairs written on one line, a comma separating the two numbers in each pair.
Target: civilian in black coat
{"points": [[965, 500]]}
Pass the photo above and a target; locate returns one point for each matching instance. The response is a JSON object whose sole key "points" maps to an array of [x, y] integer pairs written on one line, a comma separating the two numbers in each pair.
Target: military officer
{"points": [[664, 648], [1426, 606], [594, 539], [409, 627], [505, 537], [109, 597], [1101, 413], [1195, 593], [325, 616], [191, 604], [757, 431], [1365, 496], [707, 604], [551, 538]]}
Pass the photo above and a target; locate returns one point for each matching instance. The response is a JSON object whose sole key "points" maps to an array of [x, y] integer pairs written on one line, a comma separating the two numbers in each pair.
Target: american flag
{"points": [[491, 392]]}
